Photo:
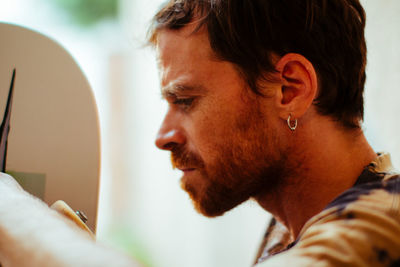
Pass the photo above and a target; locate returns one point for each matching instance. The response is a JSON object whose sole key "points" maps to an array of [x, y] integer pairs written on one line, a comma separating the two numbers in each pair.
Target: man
{"points": [[265, 102]]}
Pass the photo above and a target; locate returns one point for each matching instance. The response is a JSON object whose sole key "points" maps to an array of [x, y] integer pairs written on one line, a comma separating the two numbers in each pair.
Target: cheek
{"points": [[212, 130]]}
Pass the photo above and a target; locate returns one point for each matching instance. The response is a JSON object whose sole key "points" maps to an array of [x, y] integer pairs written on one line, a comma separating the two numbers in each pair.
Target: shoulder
{"points": [[359, 228], [385, 191]]}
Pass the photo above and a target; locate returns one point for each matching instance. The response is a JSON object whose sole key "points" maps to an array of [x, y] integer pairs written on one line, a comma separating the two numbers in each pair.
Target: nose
{"points": [[170, 134]]}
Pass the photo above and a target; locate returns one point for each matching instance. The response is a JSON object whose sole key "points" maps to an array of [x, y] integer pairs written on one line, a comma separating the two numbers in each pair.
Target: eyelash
{"points": [[185, 103]]}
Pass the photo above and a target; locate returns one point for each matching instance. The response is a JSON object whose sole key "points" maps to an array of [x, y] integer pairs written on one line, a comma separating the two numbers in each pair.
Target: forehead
{"points": [[185, 41], [186, 60], [183, 52]]}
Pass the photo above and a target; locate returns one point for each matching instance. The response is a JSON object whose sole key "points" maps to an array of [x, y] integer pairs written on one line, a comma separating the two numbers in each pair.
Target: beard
{"points": [[247, 163]]}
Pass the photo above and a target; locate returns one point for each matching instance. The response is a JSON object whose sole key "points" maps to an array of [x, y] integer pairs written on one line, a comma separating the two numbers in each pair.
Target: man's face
{"points": [[219, 133]]}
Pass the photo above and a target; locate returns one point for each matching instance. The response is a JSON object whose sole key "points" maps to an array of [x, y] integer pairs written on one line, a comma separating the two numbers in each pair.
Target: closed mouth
{"points": [[184, 169]]}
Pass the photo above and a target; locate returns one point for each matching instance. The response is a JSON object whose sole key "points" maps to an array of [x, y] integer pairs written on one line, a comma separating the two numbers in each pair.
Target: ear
{"points": [[298, 85]]}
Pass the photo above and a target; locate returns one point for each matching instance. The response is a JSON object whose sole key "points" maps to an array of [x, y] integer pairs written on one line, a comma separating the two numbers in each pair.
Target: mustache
{"points": [[181, 157]]}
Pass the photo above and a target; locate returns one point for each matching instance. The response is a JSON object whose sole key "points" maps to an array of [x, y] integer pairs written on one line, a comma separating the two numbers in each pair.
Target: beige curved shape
{"points": [[54, 141]]}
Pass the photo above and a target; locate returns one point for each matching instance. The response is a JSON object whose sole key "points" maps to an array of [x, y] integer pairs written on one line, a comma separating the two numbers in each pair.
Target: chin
{"points": [[209, 200], [207, 213]]}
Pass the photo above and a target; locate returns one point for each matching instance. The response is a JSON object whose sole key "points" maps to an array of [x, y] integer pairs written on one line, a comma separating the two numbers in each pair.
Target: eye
{"points": [[185, 103]]}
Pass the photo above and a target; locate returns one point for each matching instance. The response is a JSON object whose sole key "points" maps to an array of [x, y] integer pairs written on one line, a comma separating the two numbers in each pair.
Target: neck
{"points": [[330, 163]]}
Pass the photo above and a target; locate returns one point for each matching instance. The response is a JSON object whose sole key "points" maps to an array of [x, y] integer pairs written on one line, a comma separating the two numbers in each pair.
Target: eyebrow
{"points": [[176, 89]]}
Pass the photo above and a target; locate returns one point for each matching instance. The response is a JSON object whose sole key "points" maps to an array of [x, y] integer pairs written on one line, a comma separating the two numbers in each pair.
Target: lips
{"points": [[184, 169], [184, 160]]}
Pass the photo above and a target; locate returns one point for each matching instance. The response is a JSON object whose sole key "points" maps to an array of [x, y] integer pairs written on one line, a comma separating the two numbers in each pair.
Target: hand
{"points": [[8, 183]]}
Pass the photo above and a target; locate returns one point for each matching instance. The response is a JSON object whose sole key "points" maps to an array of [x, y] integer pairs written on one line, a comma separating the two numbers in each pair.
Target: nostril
{"points": [[170, 146], [169, 140], [162, 142]]}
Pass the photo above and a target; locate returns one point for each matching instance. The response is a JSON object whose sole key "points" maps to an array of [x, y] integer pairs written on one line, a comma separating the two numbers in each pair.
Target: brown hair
{"points": [[329, 33]]}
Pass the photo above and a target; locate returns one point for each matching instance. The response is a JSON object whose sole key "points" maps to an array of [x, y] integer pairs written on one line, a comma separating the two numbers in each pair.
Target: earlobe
{"points": [[298, 86]]}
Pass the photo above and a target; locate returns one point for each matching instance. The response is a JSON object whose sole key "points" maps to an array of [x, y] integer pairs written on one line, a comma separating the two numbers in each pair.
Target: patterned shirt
{"points": [[361, 227]]}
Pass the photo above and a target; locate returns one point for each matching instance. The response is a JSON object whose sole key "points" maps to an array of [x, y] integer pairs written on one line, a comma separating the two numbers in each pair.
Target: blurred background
{"points": [[142, 209]]}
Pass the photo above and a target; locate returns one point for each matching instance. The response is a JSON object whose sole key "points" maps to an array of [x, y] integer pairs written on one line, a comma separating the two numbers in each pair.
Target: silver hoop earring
{"points": [[289, 123]]}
